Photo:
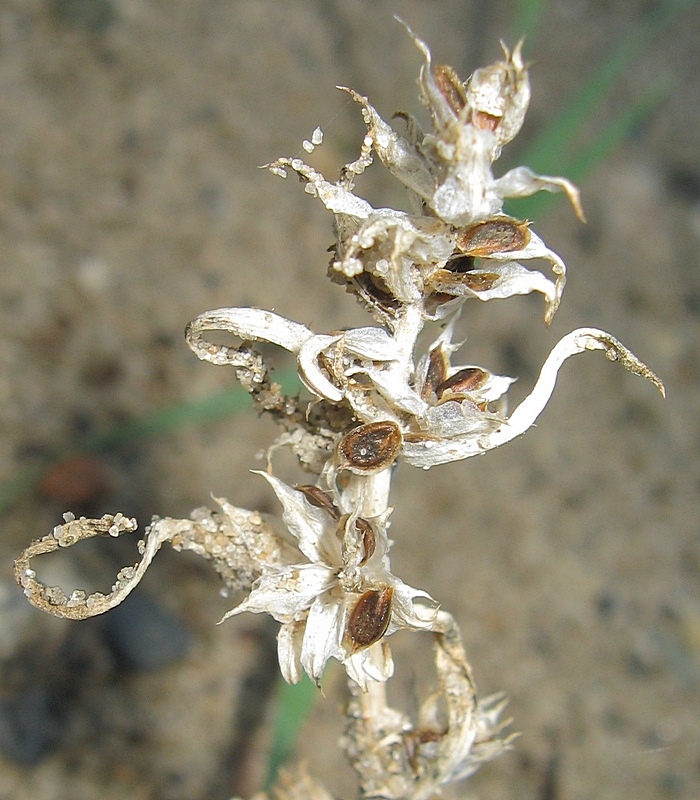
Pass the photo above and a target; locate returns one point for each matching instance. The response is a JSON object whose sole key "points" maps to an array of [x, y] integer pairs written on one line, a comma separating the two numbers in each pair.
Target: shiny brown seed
{"points": [[465, 381], [370, 618], [370, 448], [451, 88], [494, 236], [435, 374], [317, 497]]}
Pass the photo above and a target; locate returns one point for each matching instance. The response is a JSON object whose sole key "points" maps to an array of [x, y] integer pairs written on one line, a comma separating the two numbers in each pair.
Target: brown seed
{"points": [[435, 374], [374, 291], [317, 497], [369, 540], [451, 88], [370, 618], [502, 235], [370, 448], [365, 535], [465, 381], [443, 280], [480, 281], [416, 437]]}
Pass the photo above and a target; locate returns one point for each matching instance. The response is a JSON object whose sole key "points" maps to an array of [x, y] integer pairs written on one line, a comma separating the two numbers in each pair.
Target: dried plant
{"points": [[376, 401]]}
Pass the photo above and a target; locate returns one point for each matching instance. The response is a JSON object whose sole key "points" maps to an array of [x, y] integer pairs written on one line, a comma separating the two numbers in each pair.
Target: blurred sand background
{"points": [[130, 201]]}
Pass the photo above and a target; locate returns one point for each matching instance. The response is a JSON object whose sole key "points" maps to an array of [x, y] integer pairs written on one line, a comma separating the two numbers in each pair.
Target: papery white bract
{"points": [[314, 599]]}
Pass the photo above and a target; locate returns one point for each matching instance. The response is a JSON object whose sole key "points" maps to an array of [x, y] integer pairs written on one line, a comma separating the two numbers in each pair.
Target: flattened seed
{"points": [[501, 235], [465, 381], [370, 448], [370, 617], [443, 280], [369, 540], [451, 87], [435, 373], [365, 538], [317, 497]]}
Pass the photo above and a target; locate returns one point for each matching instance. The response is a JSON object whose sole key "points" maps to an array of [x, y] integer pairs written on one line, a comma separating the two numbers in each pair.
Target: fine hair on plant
{"points": [[376, 396]]}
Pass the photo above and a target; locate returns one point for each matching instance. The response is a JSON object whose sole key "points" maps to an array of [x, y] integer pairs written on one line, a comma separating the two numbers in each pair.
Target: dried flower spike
{"points": [[377, 399]]}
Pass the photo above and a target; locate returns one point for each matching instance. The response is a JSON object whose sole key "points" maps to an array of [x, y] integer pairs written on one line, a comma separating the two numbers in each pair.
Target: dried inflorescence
{"points": [[377, 400]]}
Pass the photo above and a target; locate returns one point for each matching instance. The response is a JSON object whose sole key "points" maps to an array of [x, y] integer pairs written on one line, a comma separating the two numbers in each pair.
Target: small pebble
{"points": [[144, 636], [28, 726]]}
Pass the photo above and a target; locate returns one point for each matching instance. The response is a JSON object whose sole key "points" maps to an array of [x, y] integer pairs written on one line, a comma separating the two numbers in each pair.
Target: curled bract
{"points": [[425, 414], [237, 542], [452, 735], [486, 430]]}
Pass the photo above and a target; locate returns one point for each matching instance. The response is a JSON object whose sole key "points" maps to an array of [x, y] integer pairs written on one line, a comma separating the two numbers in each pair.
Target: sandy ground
{"points": [[130, 133]]}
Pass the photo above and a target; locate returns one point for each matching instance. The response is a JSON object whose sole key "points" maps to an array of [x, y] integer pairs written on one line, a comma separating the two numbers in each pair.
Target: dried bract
{"points": [[315, 592]]}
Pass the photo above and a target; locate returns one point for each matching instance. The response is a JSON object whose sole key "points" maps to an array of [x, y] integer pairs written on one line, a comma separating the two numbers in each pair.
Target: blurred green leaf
{"points": [[294, 704], [585, 160], [216, 406], [528, 19], [548, 151]]}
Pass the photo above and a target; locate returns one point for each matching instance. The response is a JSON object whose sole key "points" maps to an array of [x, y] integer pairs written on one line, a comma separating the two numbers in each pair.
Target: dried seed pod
{"points": [[451, 87], [370, 448], [465, 381], [370, 617], [500, 235], [317, 497]]}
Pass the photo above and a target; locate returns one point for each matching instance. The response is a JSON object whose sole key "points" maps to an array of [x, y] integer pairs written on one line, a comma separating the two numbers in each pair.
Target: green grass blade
{"points": [[528, 19], [208, 409], [588, 158], [616, 132], [13, 489], [550, 148], [294, 704]]}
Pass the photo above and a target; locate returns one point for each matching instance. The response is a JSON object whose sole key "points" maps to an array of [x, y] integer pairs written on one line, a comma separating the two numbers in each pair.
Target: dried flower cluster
{"points": [[377, 401]]}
